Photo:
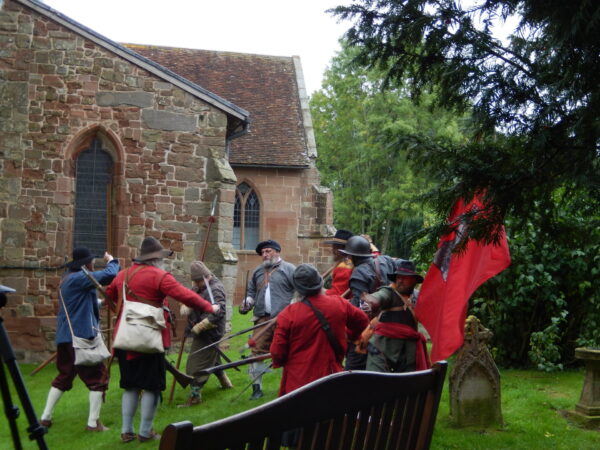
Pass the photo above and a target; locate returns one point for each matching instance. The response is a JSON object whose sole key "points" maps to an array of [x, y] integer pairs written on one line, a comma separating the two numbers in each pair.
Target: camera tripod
{"points": [[36, 431]]}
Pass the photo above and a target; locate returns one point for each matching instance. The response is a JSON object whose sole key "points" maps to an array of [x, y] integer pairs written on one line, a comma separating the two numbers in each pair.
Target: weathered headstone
{"points": [[475, 381]]}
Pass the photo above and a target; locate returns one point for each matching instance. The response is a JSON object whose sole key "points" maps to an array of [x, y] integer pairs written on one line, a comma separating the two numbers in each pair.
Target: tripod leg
{"points": [[11, 410], [36, 431]]}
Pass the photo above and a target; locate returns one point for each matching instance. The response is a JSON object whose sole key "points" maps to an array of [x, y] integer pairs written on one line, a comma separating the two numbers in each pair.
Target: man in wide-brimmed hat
{"points": [[143, 374], [340, 275], [369, 274], [204, 329], [78, 293], [394, 343], [270, 289]]}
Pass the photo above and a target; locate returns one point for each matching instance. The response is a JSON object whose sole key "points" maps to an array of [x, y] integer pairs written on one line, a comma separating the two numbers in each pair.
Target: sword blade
{"points": [[214, 205], [208, 288]]}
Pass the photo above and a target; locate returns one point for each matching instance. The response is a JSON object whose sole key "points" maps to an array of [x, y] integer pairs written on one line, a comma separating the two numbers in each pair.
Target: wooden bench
{"points": [[347, 410]]}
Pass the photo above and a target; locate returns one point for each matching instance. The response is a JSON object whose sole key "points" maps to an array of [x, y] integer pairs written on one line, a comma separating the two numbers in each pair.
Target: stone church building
{"points": [[102, 144]]}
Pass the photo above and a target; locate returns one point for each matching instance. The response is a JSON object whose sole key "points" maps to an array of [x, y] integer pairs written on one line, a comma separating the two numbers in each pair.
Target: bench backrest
{"points": [[347, 410]]}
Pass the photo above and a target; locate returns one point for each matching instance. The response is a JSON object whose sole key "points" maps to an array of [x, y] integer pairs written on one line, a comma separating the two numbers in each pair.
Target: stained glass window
{"points": [[246, 218], [92, 194]]}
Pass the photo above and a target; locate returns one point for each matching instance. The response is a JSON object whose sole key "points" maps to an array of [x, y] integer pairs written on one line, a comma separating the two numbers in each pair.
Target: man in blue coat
{"points": [[78, 293]]}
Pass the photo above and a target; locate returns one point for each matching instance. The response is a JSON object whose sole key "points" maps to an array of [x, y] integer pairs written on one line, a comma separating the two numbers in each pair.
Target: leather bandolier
{"points": [[397, 311]]}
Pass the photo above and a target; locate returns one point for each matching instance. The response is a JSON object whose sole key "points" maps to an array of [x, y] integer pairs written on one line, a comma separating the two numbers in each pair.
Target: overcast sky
{"points": [[266, 27]]}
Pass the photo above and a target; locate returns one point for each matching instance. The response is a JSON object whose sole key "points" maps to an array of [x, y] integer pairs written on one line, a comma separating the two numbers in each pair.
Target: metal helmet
{"points": [[357, 246]]}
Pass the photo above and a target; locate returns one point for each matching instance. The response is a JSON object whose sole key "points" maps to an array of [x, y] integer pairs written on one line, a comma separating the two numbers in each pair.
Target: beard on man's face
{"points": [[269, 262]]}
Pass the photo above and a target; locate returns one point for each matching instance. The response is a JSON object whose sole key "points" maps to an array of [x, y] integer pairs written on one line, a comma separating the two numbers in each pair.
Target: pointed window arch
{"points": [[246, 218], [93, 180]]}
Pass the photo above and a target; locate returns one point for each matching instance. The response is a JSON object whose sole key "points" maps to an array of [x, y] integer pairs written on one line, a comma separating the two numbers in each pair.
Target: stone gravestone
{"points": [[475, 381]]}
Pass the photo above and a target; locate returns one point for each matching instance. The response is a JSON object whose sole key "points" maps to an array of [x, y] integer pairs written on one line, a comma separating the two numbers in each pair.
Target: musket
{"points": [[258, 334], [100, 289], [243, 310], [234, 364], [44, 364], [183, 379], [256, 377], [246, 330], [225, 357]]}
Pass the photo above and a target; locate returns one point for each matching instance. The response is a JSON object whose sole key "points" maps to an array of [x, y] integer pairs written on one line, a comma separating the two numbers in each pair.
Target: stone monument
{"points": [[475, 381], [587, 411]]}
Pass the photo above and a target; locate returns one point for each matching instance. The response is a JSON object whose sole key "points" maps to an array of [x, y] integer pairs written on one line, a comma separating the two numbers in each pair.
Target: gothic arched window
{"points": [[246, 218], [92, 199]]}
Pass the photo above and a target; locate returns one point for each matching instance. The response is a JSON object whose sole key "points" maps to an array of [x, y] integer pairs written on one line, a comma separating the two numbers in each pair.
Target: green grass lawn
{"points": [[531, 405]]}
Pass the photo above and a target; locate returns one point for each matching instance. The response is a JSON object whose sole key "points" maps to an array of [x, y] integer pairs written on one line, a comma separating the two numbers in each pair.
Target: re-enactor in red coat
{"points": [[145, 372], [300, 345], [340, 275]]}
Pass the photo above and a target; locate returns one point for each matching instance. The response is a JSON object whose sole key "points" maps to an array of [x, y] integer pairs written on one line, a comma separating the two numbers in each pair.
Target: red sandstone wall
{"points": [[292, 213]]}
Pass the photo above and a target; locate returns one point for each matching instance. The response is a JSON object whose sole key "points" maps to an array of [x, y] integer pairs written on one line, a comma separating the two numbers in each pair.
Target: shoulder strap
{"points": [[407, 304], [128, 278], [377, 265], [337, 348], [121, 291], [64, 304]]}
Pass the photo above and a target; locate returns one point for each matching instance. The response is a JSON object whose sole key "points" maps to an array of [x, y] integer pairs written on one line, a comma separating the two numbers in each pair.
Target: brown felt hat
{"points": [[340, 238], [152, 249], [198, 271]]}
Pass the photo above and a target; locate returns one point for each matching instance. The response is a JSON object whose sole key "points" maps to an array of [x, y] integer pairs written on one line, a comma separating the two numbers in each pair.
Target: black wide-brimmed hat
{"points": [[152, 249], [269, 243], [357, 246], [340, 238], [407, 268], [307, 280], [81, 257]]}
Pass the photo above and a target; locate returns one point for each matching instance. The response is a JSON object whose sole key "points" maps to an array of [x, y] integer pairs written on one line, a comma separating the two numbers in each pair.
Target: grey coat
{"points": [[280, 282]]}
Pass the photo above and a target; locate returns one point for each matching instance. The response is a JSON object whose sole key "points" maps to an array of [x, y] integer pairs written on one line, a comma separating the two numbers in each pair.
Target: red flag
{"points": [[452, 279]]}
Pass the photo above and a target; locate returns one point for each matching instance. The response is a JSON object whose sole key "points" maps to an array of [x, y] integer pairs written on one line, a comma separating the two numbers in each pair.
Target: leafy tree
{"points": [[534, 98], [548, 303], [357, 126]]}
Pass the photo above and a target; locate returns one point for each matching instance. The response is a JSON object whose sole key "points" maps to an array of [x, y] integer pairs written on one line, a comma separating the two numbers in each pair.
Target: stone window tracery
{"points": [[246, 218]]}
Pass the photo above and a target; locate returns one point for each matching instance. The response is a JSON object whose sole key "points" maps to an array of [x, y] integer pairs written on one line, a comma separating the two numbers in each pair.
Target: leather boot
{"points": [[191, 401], [256, 392], [225, 381]]}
